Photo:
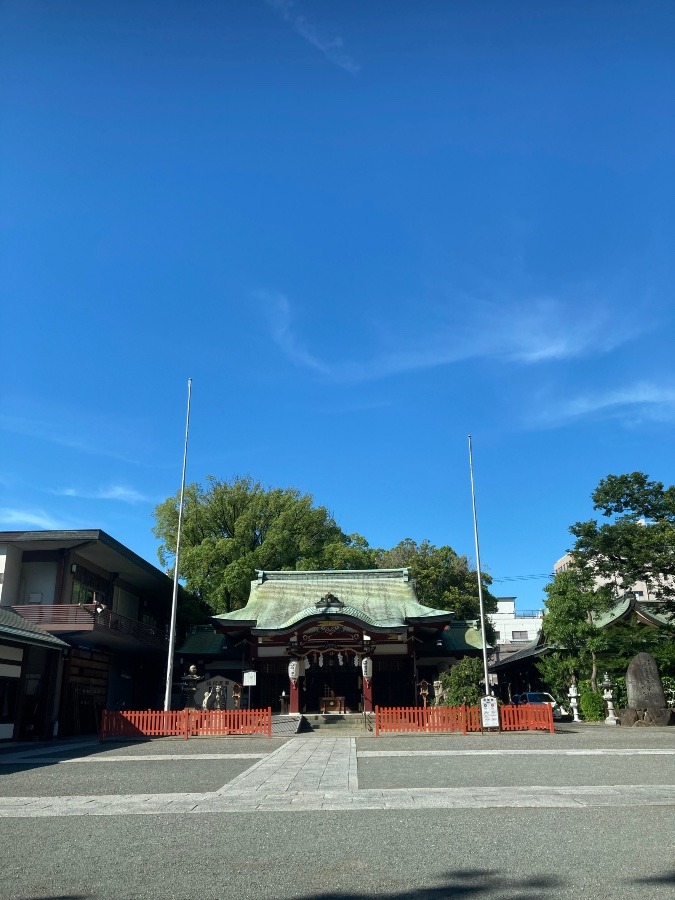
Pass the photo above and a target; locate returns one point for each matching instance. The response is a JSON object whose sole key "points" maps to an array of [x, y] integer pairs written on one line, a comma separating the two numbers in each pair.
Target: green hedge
{"points": [[592, 705]]}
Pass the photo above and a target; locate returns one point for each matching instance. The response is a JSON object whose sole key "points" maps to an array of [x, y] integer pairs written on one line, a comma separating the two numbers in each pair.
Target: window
{"points": [[518, 635], [89, 587], [9, 689]]}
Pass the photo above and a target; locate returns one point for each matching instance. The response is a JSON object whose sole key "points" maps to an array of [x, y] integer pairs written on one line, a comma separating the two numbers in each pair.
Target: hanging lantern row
{"points": [[321, 658], [298, 666]]}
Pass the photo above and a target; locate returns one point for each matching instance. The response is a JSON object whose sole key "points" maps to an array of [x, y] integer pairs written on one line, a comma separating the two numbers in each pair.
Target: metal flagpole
{"points": [[480, 580], [174, 601]]}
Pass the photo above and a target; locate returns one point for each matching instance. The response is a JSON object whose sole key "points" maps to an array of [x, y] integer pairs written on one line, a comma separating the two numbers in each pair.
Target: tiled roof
{"points": [[205, 642], [651, 611], [15, 627], [460, 637], [382, 597]]}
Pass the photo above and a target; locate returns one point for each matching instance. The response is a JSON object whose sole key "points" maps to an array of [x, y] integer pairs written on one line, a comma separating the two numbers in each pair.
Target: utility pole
{"points": [[478, 574], [174, 602]]}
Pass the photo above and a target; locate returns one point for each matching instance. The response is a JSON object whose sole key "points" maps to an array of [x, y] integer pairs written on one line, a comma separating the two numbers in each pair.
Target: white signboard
{"points": [[489, 712], [249, 678]]}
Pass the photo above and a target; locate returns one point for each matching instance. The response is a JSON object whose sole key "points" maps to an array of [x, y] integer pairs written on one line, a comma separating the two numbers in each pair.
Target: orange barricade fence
{"points": [[529, 717], [184, 723]]}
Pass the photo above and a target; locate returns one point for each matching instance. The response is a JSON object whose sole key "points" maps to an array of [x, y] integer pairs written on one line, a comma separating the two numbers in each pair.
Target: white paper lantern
{"points": [[367, 667], [294, 669]]}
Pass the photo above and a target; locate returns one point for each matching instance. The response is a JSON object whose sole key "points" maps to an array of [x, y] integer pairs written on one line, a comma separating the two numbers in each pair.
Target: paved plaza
{"points": [[329, 816]]}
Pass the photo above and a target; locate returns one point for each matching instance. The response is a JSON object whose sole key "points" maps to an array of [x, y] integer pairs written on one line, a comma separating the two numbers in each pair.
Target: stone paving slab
{"points": [[579, 797], [150, 757], [611, 751]]}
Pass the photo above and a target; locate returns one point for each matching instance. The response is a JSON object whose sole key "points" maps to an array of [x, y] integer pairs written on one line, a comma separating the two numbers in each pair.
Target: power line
{"points": [[524, 577]]}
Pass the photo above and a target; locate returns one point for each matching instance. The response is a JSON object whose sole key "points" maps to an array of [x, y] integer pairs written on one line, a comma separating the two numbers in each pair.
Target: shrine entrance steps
{"points": [[327, 725], [339, 724]]}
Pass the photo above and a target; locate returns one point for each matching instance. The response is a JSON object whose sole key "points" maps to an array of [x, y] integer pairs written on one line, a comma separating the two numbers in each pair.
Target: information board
{"points": [[249, 678], [489, 711]]}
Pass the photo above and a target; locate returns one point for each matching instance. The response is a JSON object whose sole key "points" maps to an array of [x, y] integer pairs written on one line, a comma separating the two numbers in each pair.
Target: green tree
{"points": [[627, 638], [443, 579], [638, 544], [463, 683], [572, 609], [230, 529], [556, 669]]}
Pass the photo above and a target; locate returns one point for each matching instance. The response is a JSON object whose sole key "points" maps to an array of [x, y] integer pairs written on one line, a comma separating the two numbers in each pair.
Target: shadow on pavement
{"points": [[667, 878], [482, 883], [41, 755]]}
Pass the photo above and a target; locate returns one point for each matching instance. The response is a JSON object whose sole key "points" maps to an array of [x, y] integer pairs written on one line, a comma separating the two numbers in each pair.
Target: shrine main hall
{"points": [[343, 641]]}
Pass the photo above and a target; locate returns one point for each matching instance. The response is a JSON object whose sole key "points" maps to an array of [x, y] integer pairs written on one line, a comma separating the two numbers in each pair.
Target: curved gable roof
{"points": [[382, 598]]}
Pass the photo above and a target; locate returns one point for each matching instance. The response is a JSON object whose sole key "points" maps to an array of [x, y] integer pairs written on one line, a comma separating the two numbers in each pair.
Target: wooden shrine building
{"points": [[343, 641]]}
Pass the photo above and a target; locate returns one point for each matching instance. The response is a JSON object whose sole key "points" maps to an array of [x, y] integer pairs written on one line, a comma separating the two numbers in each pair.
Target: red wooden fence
{"points": [[185, 723], [528, 717]]}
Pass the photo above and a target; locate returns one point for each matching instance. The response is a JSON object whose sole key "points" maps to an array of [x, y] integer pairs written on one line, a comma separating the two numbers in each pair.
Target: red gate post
{"points": [[294, 696], [367, 695]]}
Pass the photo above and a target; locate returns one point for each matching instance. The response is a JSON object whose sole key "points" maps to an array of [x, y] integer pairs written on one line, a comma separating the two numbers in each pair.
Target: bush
{"points": [[620, 693], [592, 705], [669, 690], [462, 684]]}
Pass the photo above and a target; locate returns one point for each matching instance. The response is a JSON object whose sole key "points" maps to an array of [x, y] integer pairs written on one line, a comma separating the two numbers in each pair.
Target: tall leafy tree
{"points": [[443, 579], [638, 541], [573, 607], [231, 528]]}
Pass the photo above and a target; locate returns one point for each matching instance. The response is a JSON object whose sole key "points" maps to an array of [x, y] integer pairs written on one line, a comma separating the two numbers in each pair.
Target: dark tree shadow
{"points": [[666, 878], [465, 883]]}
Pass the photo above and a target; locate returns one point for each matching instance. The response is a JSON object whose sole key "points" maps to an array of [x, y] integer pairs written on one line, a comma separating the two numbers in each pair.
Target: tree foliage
{"points": [[443, 580], [638, 544], [463, 682], [572, 609], [230, 529]]}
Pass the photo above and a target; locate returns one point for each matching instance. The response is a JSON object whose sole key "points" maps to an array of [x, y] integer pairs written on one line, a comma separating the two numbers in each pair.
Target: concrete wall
{"points": [[10, 568], [38, 582]]}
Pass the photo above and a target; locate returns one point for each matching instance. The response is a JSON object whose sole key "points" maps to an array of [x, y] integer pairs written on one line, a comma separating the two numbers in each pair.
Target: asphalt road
{"points": [[626, 851]]}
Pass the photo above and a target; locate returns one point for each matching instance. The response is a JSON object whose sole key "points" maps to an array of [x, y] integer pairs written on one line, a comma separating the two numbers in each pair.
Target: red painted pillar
{"points": [[367, 695], [294, 696]]}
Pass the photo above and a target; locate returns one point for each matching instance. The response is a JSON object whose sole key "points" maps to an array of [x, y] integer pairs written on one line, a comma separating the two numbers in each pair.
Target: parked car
{"points": [[542, 697]]}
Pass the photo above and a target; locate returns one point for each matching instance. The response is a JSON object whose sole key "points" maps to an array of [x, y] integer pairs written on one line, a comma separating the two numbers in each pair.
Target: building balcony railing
{"points": [[90, 617]]}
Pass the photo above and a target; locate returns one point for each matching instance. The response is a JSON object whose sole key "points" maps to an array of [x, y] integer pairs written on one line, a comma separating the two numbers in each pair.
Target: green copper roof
{"points": [[204, 641], [460, 637], [15, 627], [383, 598], [651, 611]]}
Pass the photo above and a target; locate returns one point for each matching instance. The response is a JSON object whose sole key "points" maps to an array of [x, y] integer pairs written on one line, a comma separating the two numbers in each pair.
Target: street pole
{"points": [[174, 601], [480, 580]]}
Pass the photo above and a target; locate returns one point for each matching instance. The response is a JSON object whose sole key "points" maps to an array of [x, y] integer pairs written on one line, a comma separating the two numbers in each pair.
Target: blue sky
{"points": [[365, 230]]}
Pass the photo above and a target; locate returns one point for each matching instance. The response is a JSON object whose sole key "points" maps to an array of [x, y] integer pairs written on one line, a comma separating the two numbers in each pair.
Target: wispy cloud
{"points": [[96, 436], [332, 48], [117, 492], [29, 518], [537, 331], [639, 402]]}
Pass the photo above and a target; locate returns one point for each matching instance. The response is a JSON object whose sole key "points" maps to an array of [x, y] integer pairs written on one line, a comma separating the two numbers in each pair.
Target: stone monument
{"points": [[646, 700]]}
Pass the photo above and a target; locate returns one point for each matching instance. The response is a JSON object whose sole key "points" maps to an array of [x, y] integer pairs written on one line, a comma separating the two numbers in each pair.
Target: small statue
{"points": [[218, 700], [205, 701]]}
